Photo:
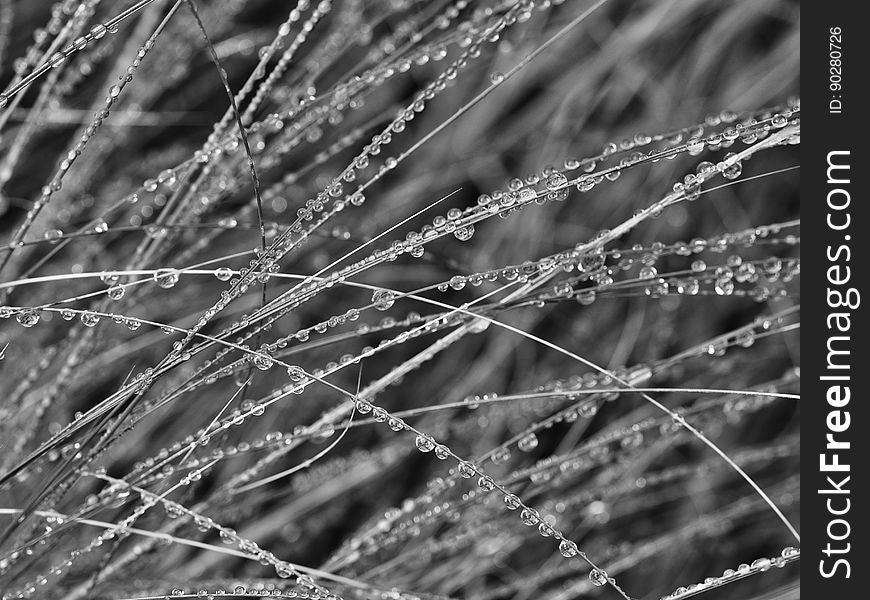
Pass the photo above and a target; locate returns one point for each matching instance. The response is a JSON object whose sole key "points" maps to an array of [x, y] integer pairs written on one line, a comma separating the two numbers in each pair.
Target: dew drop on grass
{"points": [[425, 444], [166, 278], [223, 273], [567, 548], [52, 234], [511, 501], [528, 442], [383, 299], [529, 517], [466, 470], [733, 170], [262, 362], [110, 277], [27, 318], [89, 319], [501, 456], [463, 234], [724, 286], [556, 181], [648, 272], [597, 577], [116, 292]]}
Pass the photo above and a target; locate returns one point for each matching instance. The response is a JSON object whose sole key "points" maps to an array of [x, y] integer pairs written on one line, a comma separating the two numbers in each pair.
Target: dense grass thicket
{"points": [[399, 299]]}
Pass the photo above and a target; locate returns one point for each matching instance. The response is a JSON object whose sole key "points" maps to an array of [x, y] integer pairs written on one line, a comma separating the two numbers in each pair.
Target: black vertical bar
{"points": [[834, 422]]}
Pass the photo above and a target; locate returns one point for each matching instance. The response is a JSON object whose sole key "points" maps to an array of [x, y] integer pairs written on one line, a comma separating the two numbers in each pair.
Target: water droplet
{"points": [[383, 299], [567, 548], [734, 169], [512, 502], [463, 234], [556, 181], [116, 292], [262, 362], [647, 272], [425, 444], [597, 577], [89, 319], [166, 278], [528, 443], [27, 318], [724, 286], [530, 517], [466, 470]]}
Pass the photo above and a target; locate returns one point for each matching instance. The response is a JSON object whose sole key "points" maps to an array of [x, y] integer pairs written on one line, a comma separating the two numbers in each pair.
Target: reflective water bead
{"points": [[463, 234], [545, 529], [530, 517], [511, 502], [500, 456], [647, 273], [466, 470], [692, 191], [262, 362], [110, 277], [563, 289], [567, 548], [166, 278], [223, 273], [586, 297], [695, 146], [597, 577], [424, 443], [383, 299], [295, 373], [734, 169], [761, 564], [52, 234], [528, 442], [556, 181], [89, 319], [526, 194], [724, 286], [116, 292], [27, 318]]}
